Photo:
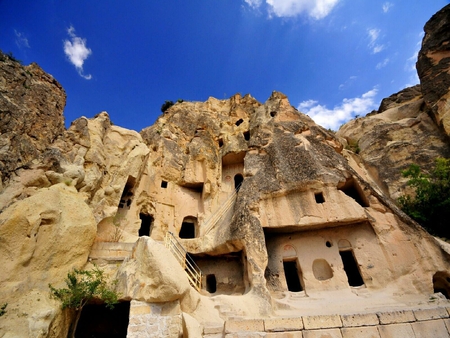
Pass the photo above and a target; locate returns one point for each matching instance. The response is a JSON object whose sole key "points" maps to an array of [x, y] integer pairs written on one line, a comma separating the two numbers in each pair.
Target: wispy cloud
{"points": [[410, 64], [374, 34], [316, 9], [387, 6], [77, 52], [347, 83], [348, 109], [21, 40], [382, 64]]}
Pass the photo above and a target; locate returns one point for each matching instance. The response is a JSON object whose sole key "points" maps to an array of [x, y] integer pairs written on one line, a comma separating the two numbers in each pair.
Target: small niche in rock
{"points": [[352, 189], [319, 197], [239, 122], [164, 184], [246, 135]]}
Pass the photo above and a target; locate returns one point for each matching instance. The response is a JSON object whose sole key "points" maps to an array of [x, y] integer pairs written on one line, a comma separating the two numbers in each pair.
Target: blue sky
{"points": [[334, 59]]}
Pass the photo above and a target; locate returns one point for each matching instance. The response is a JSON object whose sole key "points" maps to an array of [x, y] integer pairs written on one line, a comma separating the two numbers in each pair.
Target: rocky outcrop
{"points": [[433, 67], [389, 140], [31, 107]]}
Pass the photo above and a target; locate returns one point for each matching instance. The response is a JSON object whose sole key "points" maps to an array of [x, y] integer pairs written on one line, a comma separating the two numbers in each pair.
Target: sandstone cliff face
{"points": [[31, 106], [389, 140], [433, 66]]}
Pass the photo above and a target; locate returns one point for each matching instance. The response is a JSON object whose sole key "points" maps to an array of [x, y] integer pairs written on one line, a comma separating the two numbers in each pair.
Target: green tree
{"points": [[430, 204], [82, 287], [166, 105]]}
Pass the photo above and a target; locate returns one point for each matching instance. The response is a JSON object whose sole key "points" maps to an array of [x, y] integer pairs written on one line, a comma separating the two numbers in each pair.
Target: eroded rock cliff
{"points": [[278, 219]]}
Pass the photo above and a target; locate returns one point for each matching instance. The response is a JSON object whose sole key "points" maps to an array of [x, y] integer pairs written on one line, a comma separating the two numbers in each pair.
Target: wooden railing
{"points": [[193, 272]]}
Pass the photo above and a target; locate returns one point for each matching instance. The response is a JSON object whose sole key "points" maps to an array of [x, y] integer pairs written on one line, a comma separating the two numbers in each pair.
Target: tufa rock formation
{"points": [[226, 218], [433, 66]]}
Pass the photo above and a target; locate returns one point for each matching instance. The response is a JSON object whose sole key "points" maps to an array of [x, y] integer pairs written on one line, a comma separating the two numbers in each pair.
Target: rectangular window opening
{"points": [[164, 184], [319, 197]]}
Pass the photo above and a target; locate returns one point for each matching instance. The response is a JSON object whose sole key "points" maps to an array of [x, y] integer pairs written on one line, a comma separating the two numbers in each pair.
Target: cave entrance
{"points": [[188, 227], [352, 189], [146, 225], [127, 194], [238, 179], [292, 275], [222, 274], [351, 268], [211, 283], [100, 322], [441, 283]]}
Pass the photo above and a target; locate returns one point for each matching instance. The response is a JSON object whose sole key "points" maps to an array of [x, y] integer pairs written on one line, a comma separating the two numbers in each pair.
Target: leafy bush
{"points": [[166, 105], [82, 287], [431, 204]]}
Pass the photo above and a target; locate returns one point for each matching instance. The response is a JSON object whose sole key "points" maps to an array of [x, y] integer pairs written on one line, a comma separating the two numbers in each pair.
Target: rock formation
{"points": [[286, 232], [433, 66], [389, 140]]}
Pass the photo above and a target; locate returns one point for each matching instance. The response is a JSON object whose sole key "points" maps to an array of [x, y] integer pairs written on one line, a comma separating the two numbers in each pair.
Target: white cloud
{"points": [[76, 51], [348, 109], [21, 40], [374, 34], [254, 3], [317, 9], [387, 6], [382, 64]]}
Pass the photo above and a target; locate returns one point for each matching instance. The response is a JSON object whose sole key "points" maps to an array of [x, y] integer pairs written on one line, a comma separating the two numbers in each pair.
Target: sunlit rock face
{"points": [[31, 106], [433, 66], [389, 140], [278, 217]]}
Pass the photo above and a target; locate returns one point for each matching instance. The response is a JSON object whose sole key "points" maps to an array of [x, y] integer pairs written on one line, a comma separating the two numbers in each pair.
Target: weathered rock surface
{"points": [[389, 140], [41, 239], [433, 67], [31, 107]]}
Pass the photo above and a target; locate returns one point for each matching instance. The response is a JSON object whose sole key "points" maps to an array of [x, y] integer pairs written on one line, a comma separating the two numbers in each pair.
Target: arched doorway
{"points": [[238, 179]]}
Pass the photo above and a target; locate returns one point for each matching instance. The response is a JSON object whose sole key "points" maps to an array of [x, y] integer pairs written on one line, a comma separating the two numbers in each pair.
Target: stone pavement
{"points": [[420, 323]]}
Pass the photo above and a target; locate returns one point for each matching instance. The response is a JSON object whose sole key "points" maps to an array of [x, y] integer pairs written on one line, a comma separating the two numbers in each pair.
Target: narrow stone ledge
{"points": [[290, 334], [430, 328], [212, 328], [395, 317], [244, 325], [360, 332], [283, 324], [329, 333], [396, 330], [321, 322], [362, 319], [427, 314]]}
